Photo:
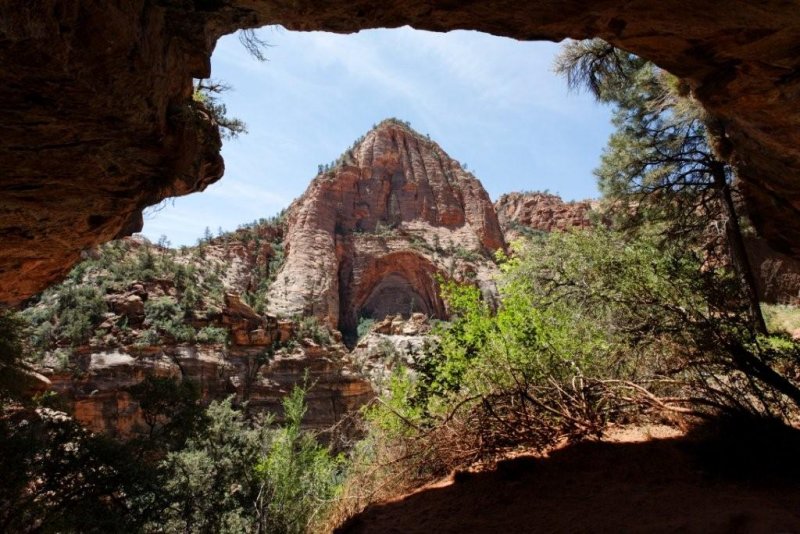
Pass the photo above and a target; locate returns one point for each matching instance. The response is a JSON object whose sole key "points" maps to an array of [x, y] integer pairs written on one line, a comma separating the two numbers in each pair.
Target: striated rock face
{"points": [[370, 236], [97, 391], [97, 120], [518, 213], [97, 385]]}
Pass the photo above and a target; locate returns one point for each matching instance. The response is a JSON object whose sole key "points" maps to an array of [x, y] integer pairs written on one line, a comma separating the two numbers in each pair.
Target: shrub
{"points": [[301, 477], [79, 309], [310, 327], [165, 315], [364, 326], [212, 334]]}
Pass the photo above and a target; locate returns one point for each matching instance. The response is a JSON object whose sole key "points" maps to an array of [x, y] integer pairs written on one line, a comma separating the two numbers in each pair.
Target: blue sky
{"points": [[490, 102]]}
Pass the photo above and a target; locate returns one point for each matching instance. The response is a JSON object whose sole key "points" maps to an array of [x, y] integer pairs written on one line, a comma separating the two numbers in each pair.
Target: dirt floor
{"points": [[637, 480]]}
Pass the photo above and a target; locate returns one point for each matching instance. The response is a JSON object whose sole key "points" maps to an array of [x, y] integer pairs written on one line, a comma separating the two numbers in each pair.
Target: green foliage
{"points": [[206, 93], [211, 485], [167, 317], [782, 318], [659, 169], [233, 476], [197, 470], [364, 326], [212, 334], [14, 374], [170, 409], [310, 327], [301, 477], [593, 326], [61, 478], [79, 309]]}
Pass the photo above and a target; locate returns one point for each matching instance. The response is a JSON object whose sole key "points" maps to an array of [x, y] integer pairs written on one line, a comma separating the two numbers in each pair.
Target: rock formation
{"points": [[98, 121], [370, 236], [519, 213], [777, 275], [390, 343], [165, 313]]}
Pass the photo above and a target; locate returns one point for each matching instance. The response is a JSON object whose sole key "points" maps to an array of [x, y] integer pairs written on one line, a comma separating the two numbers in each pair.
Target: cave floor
{"points": [[634, 480]]}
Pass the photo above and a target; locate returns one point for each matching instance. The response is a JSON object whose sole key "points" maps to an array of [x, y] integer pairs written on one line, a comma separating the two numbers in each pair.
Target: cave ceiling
{"points": [[96, 118]]}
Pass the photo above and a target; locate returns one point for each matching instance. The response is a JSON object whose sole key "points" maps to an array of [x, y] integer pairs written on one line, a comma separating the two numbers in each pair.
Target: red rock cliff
{"points": [[370, 236]]}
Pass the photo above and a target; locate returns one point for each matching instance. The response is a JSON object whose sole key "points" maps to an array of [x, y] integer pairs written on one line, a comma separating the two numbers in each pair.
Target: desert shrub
{"points": [[301, 477], [364, 326], [165, 315], [79, 309], [237, 476], [148, 338], [310, 327], [58, 477], [212, 334], [12, 351], [170, 409], [593, 326]]}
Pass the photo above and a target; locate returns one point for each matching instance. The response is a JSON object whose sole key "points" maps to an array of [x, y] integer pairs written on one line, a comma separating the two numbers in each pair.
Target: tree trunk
{"points": [[741, 261]]}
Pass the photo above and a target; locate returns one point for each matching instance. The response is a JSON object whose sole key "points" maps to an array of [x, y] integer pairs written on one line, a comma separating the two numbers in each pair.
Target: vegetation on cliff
{"points": [[133, 293]]}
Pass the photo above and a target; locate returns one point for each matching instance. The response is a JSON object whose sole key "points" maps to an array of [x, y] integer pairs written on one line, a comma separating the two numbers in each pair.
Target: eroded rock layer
{"points": [[370, 236], [519, 213], [97, 120]]}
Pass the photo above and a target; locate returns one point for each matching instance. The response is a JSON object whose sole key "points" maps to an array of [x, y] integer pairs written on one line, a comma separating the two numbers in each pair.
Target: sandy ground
{"points": [[644, 479]]}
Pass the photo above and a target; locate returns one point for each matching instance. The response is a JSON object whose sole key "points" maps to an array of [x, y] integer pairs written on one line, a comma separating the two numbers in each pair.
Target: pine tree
{"points": [[659, 165]]}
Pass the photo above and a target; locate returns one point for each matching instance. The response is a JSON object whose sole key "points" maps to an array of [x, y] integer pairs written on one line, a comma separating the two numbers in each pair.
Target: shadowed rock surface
{"points": [[97, 119], [626, 483]]}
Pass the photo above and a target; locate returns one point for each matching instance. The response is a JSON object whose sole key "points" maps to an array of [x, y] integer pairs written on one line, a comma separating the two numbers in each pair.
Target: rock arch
{"points": [[97, 121], [397, 283]]}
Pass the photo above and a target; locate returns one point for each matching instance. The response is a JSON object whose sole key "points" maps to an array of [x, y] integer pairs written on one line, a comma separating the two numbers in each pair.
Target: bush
{"points": [[234, 476], [79, 309], [165, 315], [310, 327], [364, 326], [593, 326], [301, 477], [212, 334]]}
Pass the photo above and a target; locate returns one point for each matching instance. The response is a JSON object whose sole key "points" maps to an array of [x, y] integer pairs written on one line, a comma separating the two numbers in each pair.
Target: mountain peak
{"points": [[372, 232]]}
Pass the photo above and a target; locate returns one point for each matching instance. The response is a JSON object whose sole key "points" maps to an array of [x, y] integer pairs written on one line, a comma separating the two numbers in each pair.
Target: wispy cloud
{"points": [[492, 102]]}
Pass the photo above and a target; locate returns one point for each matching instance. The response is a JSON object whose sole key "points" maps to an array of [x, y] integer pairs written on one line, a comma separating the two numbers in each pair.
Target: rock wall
{"points": [[541, 212], [371, 236], [97, 386], [97, 119], [777, 275], [179, 314]]}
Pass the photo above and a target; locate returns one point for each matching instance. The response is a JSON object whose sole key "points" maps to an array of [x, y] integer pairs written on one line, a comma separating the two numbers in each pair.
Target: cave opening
{"points": [[394, 295]]}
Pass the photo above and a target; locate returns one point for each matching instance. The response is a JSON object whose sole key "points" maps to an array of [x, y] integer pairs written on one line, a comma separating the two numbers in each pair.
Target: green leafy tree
{"points": [[301, 478], [15, 375], [211, 485], [664, 164]]}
